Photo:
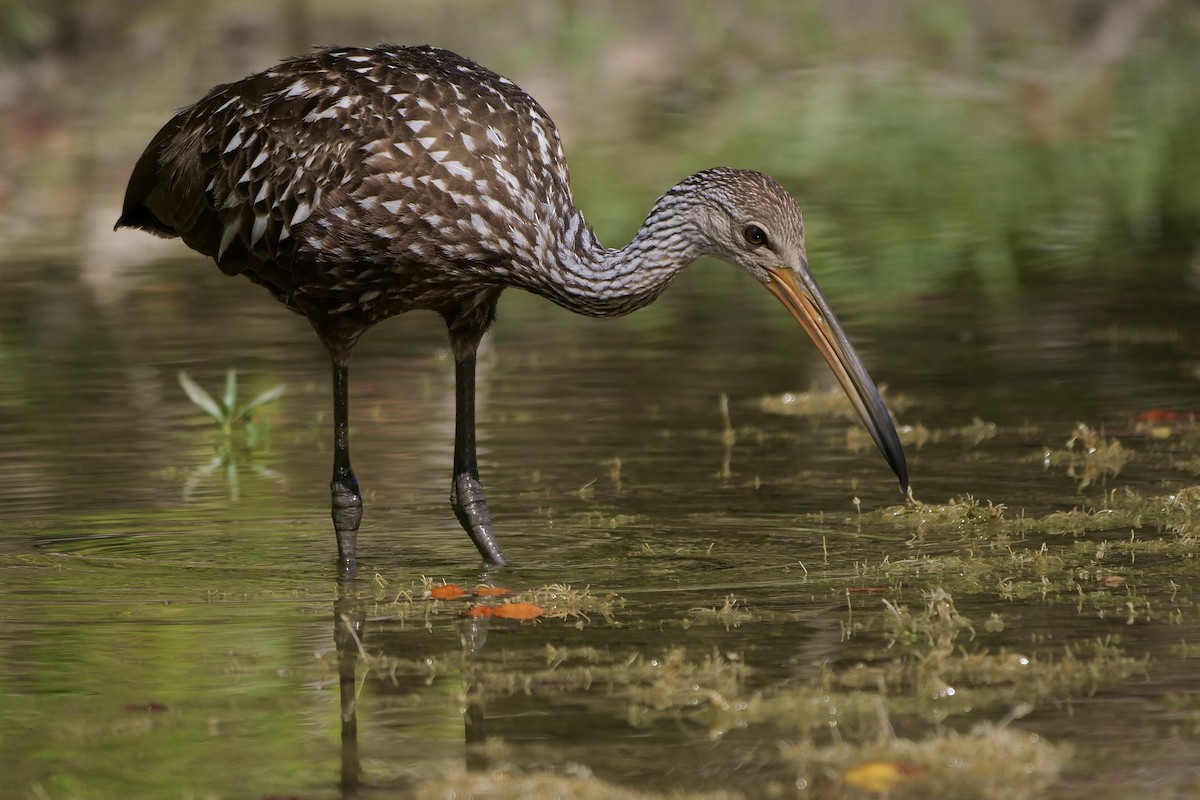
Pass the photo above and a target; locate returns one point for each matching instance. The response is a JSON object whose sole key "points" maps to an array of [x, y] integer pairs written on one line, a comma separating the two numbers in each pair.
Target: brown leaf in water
{"points": [[1160, 423], [507, 611], [447, 591], [518, 611]]}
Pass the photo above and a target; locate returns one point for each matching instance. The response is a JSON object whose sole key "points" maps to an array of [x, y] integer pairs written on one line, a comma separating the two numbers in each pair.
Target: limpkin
{"points": [[360, 183]]}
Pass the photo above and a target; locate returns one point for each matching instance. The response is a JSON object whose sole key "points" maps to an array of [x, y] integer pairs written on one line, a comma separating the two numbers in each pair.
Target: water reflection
{"points": [[354, 651], [349, 617]]}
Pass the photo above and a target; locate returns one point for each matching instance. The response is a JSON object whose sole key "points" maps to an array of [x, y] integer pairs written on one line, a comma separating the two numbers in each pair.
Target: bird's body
{"points": [[327, 180], [360, 183]]}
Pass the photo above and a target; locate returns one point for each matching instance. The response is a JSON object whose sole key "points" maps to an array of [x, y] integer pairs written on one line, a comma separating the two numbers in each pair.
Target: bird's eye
{"points": [[755, 236]]}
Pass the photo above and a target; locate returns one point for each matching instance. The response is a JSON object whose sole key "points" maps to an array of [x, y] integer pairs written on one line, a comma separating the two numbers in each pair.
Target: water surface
{"points": [[170, 632]]}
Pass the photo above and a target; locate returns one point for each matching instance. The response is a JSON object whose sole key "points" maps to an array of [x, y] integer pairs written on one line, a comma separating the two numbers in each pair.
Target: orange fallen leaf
{"points": [[518, 611], [507, 611], [447, 591], [1158, 423], [881, 776], [491, 591], [1164, 415]]}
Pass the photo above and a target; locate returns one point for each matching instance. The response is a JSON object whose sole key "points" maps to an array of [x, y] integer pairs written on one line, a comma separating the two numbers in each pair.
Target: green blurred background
{"points": [[994, 142]]}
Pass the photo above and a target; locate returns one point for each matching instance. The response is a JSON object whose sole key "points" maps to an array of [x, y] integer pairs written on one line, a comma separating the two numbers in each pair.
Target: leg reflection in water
{"points": [[349, 618], [473, 635]]}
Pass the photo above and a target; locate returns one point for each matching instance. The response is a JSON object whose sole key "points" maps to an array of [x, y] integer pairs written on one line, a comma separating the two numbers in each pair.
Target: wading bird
{"points": [[359, 183]]}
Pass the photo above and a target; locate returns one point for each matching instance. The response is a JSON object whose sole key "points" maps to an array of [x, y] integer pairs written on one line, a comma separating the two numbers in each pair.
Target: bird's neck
{"points": [[590, 279]]}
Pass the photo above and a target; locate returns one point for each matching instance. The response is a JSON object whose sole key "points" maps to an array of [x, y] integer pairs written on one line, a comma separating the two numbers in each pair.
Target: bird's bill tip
{"points": [[809, 308]]}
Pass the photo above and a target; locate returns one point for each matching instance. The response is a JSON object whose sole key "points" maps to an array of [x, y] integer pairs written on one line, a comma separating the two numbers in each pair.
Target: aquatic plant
{"points": [[226, 413], [230, 418]]}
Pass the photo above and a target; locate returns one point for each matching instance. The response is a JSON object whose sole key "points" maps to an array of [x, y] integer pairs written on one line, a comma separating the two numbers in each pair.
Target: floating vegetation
{"points": [[959, 514], [676, 681], [927, 695], [917, 435], [565, 602], [924, 680], [730, 614], [989, 762], [1122, 511], [432, 598], [845, 717], [917, 666], [1086, 556], [1189, 465], [825, 403], [927, 668], [574, 781], [1090, 456], [820, 403], [676, 684]]}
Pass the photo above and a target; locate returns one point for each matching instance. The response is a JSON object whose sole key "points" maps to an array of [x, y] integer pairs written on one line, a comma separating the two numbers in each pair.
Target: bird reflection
{"points": [[349, 618], [349, 630]]}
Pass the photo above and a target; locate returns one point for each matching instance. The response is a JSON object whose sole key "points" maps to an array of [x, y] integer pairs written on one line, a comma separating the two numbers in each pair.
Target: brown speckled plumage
{"points": [[360, 183]]}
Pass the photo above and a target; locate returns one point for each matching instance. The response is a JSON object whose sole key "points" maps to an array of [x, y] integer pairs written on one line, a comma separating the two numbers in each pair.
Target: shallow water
{"points": [[169, 632], [745, 608]]}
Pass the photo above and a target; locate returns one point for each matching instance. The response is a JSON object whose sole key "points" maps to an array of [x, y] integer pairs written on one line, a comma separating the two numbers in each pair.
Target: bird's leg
{"points": [[466, 492], [347, 500]]}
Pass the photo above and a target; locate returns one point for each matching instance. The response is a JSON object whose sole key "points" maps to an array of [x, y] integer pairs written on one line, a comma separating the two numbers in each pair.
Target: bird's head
{"points": [[748, 219]]}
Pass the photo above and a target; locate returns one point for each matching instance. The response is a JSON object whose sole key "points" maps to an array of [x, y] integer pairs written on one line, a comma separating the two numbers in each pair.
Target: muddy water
{"points": [[746, 608]]}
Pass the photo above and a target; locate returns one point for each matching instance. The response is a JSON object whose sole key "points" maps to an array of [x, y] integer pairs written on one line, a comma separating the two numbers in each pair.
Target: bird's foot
{"points": [[470, 506], [347, 515]]}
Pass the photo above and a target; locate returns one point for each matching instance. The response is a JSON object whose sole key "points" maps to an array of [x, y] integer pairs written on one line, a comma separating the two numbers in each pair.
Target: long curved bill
{"points": [[808, 306]]}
